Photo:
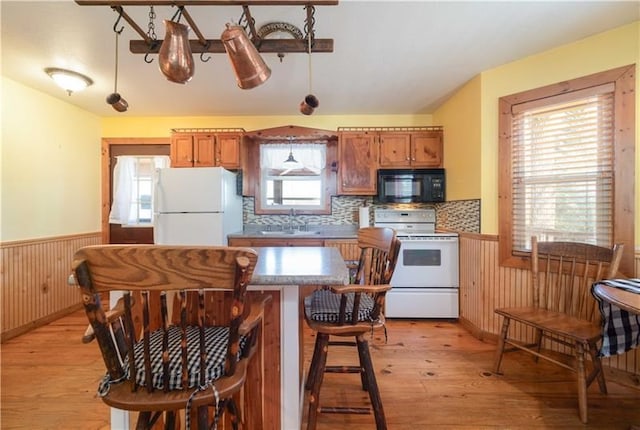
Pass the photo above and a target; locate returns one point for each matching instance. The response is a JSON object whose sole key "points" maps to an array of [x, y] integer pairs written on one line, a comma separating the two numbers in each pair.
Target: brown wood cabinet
{"points": [[206, 149], [358, 162], [411, 149]]}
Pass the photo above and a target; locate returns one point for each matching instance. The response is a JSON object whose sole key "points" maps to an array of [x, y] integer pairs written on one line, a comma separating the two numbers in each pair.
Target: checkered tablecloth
{"points": [[621, 329]]}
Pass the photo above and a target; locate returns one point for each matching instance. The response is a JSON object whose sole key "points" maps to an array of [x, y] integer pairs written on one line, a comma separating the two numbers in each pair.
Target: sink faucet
{"points": [[292, 213]]}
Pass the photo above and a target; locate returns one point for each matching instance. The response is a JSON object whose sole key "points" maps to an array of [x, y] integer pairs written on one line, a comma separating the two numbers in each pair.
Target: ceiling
{"points": [[390, 57]]}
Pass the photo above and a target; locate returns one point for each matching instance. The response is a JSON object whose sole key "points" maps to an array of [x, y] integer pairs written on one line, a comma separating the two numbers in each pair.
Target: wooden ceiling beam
{"points": [[206, 2], [215, 46]]}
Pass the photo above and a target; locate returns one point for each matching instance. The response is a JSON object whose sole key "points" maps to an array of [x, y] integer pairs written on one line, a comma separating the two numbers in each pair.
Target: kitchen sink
{"points": [[289, 232]]}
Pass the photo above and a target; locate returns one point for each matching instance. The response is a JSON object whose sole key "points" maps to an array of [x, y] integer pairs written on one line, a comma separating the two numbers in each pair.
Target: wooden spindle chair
{"points": [[352, 311], [563, 315], [197, 366]]}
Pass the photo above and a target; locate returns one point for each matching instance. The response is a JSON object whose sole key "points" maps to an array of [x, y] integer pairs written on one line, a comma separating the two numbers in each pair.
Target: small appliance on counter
{"points": [[426, 281], [195, 206]]}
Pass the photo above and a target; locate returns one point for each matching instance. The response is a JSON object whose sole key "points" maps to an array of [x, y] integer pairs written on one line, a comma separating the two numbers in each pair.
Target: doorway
{"points": [[112, 148]]}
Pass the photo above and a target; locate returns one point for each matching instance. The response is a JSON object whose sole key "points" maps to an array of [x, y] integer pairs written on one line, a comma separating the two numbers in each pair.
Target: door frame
{"points": [[106, 172]]}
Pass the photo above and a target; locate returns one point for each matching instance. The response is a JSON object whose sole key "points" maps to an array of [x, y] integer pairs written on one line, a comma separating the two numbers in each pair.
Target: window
{"points": [[293, 176], [133, 189], [566, 177]]}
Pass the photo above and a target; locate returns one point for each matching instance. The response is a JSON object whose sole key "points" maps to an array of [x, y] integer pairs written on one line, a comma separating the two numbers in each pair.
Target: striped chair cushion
{"points": [[324, 306], [216, 339]]}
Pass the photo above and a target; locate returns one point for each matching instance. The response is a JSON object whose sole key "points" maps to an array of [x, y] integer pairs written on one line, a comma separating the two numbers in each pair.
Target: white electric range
{"points": [[425, 282]]}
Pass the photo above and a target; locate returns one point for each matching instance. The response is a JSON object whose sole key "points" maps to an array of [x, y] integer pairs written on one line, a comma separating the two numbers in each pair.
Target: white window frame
{"points": [[272, 156]]}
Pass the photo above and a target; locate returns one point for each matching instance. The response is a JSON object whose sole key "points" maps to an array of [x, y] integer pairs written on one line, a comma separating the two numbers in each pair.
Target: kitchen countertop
{"points": [[313, 265], [254, 231]]}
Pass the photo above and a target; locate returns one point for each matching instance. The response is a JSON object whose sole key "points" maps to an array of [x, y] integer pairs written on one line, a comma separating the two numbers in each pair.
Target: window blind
{"points": [[562, 168]]}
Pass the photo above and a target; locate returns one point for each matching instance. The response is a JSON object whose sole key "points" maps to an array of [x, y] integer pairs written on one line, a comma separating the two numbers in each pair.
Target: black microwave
{"points": [[411, 186]]}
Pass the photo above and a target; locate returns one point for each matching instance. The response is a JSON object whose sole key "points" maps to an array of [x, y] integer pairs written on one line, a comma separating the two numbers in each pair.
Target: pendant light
{"points": [[290, 162], [115, 99]]}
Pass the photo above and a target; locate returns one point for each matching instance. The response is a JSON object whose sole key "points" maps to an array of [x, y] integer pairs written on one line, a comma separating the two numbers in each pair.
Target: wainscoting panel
{"points": [[484, 286], [34, 281]]}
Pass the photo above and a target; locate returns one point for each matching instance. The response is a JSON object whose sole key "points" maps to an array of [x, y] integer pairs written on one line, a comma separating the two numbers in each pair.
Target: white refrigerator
{"points": [[195, 206]]}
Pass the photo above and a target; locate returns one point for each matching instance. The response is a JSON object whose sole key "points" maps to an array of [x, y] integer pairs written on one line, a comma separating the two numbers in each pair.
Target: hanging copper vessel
{"points": [[175, 57], [248, 65], [308, 105], [117, 102]]}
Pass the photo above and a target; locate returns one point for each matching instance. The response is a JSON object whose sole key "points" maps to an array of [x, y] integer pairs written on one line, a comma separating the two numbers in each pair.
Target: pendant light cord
{"points": [[115, 85]]}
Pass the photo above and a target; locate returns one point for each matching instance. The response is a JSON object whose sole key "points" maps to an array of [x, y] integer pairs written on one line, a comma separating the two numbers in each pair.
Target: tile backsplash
{"points": [[460, 215]]}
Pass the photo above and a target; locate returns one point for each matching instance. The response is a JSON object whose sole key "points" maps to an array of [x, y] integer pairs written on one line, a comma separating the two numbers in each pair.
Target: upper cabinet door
{"points": [[358, 162], [203, 150], [427, 149], [228, 150], [395, 149], [181, 150]]}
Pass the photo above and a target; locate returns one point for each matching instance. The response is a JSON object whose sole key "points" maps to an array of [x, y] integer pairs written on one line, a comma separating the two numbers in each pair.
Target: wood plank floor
{"points": [[432, 375]]}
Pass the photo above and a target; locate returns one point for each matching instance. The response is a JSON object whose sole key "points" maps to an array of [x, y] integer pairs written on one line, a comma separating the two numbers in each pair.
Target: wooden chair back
{"points": [[563, 273], [379, 249], [142, 270], [362, 302]]}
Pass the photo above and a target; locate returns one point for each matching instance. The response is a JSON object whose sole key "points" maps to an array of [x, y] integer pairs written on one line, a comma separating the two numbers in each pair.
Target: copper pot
{"points": [[117, 102], [175, 57], [308, 105], [248, 65]]}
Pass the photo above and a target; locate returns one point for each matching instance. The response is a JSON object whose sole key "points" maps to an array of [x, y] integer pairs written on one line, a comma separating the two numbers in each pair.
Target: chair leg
{"points": [[597, 364], [203, 417], [170, 420], [582, 382], [372, 385], [233, 413], [143, 420], [538, 343], [147, 420], [363, 374], [320, 361], [501, 344], [313, 367]]}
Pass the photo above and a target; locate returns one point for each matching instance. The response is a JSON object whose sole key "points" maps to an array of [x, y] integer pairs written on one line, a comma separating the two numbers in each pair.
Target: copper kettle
{"points": [[175, 57], [248, 65]]}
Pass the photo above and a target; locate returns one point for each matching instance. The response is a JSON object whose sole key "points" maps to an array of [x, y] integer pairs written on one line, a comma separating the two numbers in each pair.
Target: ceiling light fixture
{"points": [[68, 80]]}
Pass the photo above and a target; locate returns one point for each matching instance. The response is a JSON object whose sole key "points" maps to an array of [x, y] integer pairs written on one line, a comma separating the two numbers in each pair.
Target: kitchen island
{"points": [[281, 271], [274, 384]]}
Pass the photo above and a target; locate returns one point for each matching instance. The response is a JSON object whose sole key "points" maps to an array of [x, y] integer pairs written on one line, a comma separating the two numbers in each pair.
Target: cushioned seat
{"points": [[324, 306], [216, 340]]}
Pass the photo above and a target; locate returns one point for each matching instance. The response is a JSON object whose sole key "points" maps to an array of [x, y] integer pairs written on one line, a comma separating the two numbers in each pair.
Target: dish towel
{"points": [[620, 328]]}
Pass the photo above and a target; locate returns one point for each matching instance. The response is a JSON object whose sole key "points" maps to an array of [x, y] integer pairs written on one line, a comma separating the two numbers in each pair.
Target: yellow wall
{"points": [[614, 48], [460, 117], [50, 166], [160, 126]]}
